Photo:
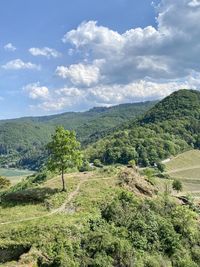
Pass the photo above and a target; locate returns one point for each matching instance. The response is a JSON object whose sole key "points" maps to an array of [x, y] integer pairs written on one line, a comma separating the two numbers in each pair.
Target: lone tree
{"points": [[177, 185], [64, 152]]}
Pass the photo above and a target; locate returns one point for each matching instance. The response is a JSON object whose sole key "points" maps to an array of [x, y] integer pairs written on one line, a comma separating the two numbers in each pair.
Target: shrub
{"points": [[177, 185], [97, 163], [85, 166], [4, 182]]}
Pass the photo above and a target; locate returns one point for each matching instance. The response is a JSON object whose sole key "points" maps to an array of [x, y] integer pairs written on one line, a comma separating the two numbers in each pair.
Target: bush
{"points": [[85, 166], [97, 163], [4, 183], [161, 167], [132, 163], [177, 185]]}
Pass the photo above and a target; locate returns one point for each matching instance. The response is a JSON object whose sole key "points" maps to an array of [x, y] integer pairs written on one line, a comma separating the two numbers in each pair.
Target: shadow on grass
{"points": [[28, 196]]}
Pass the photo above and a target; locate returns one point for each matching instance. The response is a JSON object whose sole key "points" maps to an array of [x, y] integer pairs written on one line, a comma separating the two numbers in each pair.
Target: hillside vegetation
{"points": [[22, 140], [109, 217], [172, 126]]}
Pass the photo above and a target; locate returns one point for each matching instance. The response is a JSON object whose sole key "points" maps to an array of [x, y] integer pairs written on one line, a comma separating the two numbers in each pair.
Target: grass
{"points": [[96, 187], [189, 159], [20, 211], [186, 167]]}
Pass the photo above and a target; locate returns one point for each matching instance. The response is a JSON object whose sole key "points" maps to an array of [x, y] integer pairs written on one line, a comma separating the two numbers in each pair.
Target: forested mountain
{"points": [[170, 127], [22, 140]]}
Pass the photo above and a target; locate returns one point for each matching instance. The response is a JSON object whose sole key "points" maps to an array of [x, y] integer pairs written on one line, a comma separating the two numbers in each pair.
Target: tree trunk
{"points": [[63, 182]]}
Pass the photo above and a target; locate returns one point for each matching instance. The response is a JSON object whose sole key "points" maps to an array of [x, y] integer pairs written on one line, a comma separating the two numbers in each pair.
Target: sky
{"points": [[58, 55]]}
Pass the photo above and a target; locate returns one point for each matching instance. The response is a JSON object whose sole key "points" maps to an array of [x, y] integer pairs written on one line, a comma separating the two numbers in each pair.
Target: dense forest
{"points": [[169, 128], [22, 140]]}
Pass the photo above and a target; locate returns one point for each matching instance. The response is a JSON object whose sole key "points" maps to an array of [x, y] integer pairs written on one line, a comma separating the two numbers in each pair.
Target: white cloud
{"points": [[167, 52], [137, 65], [194, 3], [80, 74], [69, 92], [46, 52], [9, 47], [18, 64], [106, 95], [35, 91]]}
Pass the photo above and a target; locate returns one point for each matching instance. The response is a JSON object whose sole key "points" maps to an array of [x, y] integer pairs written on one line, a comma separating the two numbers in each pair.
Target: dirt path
{"points": [[62, 208]]}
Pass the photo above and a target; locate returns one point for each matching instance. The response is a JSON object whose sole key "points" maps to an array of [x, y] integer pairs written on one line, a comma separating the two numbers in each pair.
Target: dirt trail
{"points": [[62, 208]]}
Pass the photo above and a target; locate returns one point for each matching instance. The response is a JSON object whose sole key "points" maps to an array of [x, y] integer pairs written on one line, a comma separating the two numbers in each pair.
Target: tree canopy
{"points": [[64, 152]]}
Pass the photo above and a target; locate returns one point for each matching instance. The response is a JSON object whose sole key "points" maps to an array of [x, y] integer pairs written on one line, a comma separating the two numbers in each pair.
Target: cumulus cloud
{"points": [[194, 3], [35, 91], [9, 47], [137, 65], [106, 95], [46, 52], [69, 92], [80, 74], [18, 64], [169, 51]]}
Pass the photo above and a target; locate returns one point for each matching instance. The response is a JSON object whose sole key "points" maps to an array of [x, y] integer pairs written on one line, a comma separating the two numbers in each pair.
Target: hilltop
{"points": [[180, 105], [169, 128]]}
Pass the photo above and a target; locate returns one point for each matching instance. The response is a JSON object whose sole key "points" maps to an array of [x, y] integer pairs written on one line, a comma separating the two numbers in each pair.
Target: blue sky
{"points": [[58, 55]]}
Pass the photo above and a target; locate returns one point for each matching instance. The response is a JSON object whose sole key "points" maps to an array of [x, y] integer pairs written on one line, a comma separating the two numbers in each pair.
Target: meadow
{"points": [[186, 167]]}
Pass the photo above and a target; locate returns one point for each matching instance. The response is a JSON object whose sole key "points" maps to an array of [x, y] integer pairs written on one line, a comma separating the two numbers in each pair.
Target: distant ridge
{"points": [[22, 140]]}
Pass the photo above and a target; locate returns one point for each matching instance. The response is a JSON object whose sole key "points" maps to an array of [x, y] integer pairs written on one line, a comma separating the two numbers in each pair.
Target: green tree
{"points": [[177, 185], [64, 152], [161, 167]]}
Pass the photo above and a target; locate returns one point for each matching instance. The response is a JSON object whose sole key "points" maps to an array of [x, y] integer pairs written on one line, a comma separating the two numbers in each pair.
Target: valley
{"points": [[118, 206]]}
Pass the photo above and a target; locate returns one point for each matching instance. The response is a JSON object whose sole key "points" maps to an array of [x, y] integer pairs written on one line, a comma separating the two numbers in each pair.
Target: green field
{"points": [[186, 167], [14, 175]]}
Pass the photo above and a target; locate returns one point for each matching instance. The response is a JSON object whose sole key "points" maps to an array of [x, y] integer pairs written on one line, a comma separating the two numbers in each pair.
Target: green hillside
{"points": [[186, 168], [169, 128], [109, 217], [22, 140]]}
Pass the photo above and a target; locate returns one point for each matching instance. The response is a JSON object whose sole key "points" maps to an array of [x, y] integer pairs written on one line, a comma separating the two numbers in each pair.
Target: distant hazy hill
{"points": [[170, 127], [22, 139]]}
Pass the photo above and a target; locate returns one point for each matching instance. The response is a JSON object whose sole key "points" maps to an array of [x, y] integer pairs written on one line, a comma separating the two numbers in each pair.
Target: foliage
{"points": [[177, 185], [23, 140], [169, 128], [4, 182], [64, 152], [97, 163], [124, 230], [131, 163], [85, 166]]}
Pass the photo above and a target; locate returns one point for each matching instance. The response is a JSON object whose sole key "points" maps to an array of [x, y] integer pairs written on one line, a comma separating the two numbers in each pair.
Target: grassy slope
{"points": [[95, 188], [186, 167]]}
